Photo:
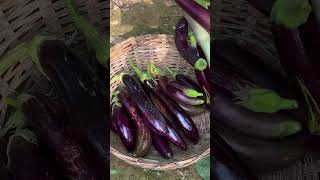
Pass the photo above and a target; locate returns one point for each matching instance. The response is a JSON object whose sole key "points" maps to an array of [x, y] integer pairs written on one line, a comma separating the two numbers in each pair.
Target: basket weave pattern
{"points": [[238, 20], [161, 50]]}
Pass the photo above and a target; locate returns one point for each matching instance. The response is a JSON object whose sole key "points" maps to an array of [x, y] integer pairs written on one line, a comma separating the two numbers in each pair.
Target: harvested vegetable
{"points": [[161, 145]]}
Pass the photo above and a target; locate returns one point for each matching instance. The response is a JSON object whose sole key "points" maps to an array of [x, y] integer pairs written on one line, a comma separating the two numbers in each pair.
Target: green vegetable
{"points": [[263, 100], [290, 13], [94, 39], [203, 168]]}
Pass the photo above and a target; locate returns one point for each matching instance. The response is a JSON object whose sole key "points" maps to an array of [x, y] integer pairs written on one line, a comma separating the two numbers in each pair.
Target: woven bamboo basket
{"points": [[21, 20], [161, 50], [238, 20]]}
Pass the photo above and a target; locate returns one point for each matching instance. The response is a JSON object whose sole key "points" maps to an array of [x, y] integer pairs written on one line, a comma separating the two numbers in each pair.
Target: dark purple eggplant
{"points": [[87, 120], [263, 125], [155, 120], [125, 132], [180, 97], [187, 47], [199, 14], [173, 134], [143, 136], [263, 156], [161, 145], [194, 110], [225, 162], [310, 36], [184, 89], [202, 71], [114, 126], [27, 161], [264, 6], [51, 131]]}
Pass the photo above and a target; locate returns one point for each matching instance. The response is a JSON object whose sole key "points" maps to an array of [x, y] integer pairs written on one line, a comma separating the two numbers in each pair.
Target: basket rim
{"points": [[151, 163]]}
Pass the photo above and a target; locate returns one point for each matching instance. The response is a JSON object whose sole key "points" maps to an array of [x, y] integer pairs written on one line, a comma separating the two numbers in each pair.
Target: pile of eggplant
{"points": [[265, 117], [151, 108], [60, 137]]}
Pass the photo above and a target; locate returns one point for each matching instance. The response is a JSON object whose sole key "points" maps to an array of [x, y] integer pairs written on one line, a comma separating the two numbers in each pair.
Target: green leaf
{"points": [[203, 168], [263, 100], [16, 121], [290, 13]]}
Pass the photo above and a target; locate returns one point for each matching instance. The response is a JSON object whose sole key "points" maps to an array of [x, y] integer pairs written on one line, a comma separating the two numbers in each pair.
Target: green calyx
{"points": [[172, 73], [201, 64], [153, 70], [288, 128], [141, 75], [199, 102], [263, 100], [203, 3], [116, 78], [192, 39], [290, 13], [192, 93]]}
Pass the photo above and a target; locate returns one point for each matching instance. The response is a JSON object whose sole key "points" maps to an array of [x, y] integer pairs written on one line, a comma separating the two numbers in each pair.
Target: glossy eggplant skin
{"points": [[67, 151], [180, 97], [161, 144], [225, 162], [189, 53], [87, 120], [155, 120], [180, 117], [125, 132], [143, 136], [262, 125], [193, 110], [173, 134], [263, 156], [188, 82], [28, 162], [114, 125]]}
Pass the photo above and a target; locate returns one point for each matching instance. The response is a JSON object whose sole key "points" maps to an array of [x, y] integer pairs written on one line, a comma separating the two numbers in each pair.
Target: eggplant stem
{"points": [[172, 73], [141, 75], [192, 93], [203, 3], [201, 64], [192, 39]]}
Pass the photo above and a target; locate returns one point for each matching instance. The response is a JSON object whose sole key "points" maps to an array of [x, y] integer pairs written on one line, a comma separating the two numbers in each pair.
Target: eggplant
{"points": [[263, 156], [143, 136], [161, 145], [114, 125], [193, 110], [264, 6], [184, 89], [26, 161], [199, 14], [173, 134], [263, 125], [310, 36], [184, 79], [226, 163], [67, 151], [154, 119], [88, 121], [249, 66], [125, 132], [180, 97], [202, 71], [186, 43]]}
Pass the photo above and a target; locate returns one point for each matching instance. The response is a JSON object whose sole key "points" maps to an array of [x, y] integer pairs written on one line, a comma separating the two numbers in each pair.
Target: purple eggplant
{"points": [[173, 135], [262, 125], [180, 97], [199, 14], [114, 126], [124, 126], [143, 136], [161, 144], [202, 71], [184, 89], [193, 110], [51, 131], [186, 43]]}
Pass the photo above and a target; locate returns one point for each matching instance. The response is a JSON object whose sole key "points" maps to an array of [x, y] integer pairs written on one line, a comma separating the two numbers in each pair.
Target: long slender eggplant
{"points": [[185, 89], [186, 43], [155, 120], [263, 125], [226, 163], [143, 136], [67, 151], [161, 145], [262, 155], [193, 110], [88, 120], [202, 71], [125, 132], [28, 162], [199, 14], [114, 125], [180, 97], [173, 134]]}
